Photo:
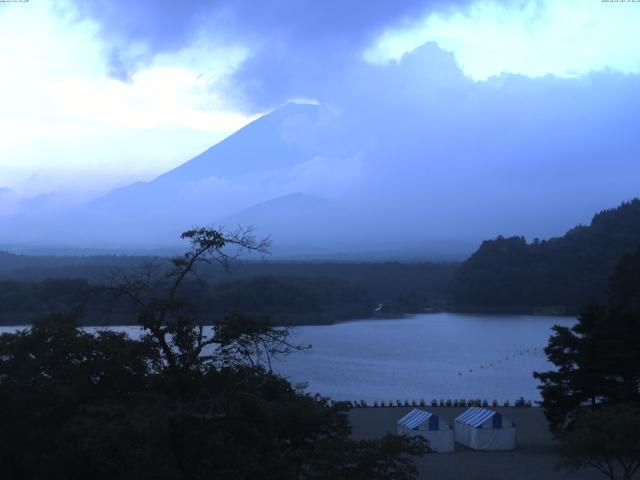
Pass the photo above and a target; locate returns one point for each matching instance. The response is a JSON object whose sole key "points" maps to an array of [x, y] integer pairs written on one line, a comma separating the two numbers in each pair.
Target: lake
{"points": [[438, 355]]}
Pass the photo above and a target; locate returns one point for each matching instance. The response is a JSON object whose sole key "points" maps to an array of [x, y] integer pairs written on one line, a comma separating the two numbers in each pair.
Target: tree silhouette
{"points": [[592, 399], [178, 404]]}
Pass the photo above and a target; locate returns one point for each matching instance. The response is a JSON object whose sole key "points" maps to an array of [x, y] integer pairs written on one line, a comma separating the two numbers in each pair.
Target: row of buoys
{"points": [[521, 402], [507, 358]]}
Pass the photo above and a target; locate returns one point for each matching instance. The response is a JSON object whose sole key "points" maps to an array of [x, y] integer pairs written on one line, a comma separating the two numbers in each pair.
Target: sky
{"points": [[98, 94]]}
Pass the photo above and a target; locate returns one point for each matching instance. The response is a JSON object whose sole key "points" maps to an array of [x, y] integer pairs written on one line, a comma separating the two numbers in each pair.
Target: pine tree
{"points": [[598, 359]]}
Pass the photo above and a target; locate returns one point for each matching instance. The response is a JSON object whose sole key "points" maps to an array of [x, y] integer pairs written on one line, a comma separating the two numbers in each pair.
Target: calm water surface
{"points": [[439, 355], [430, 356]]}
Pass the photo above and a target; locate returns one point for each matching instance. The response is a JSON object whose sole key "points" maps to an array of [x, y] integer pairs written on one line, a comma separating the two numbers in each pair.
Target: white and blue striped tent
{"points": [[484, 429], [438, 433]]}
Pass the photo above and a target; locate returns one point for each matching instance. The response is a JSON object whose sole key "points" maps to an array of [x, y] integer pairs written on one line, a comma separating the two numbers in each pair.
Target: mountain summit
{"points": [[272, 143]]}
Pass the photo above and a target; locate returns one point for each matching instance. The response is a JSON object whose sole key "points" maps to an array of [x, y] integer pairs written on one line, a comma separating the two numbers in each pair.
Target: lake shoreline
{"points": [[551, 311], [539, 312], [333, 321]]}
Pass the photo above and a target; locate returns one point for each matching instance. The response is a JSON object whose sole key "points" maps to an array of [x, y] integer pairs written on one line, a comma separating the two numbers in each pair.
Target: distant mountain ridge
{"points": [[294, 221], [269, 143], [299, 203], [285, 173], [564, 272], [251, 167]]}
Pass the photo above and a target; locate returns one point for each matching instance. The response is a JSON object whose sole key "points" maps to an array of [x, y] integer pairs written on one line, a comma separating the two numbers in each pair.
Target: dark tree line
{"points": [[286, 300], [565, 272], [289, 293], [179, 403]]}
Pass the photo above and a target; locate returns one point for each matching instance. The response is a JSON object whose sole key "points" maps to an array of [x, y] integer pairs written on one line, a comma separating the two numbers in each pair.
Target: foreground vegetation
{"points": [[175, 404], [592, 398]]}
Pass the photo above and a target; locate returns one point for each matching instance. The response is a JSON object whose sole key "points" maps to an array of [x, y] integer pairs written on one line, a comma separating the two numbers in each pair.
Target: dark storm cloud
{"points": [[166, 24], [159, 26], [296, 47]]}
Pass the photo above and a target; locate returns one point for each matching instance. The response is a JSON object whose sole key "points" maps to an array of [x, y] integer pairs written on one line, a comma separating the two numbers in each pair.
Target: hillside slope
{"points": [[564, 272]]}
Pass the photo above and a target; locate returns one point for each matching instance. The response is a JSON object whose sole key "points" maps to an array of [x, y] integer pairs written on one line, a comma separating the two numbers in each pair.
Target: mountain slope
{"points": [[250, 166], [295, 222], [568, 271], [273, 142]]}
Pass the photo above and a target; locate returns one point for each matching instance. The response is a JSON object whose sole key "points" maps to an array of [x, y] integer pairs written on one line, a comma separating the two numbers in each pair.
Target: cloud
{"points": [[415, 152], [292, 46], [533, 38], [296, 49], [38, 202], [134, 32], [64, 116], [7, 201]]}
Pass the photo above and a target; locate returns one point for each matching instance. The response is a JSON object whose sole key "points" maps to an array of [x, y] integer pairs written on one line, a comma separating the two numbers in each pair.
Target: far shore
{"points": [[26, 320]]}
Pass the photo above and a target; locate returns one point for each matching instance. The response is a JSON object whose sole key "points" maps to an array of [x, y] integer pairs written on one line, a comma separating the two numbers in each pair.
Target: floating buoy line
{"points": [[517, 354]]}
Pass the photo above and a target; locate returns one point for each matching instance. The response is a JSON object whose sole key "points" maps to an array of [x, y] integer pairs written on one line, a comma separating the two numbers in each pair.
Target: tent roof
{"points": [[475, 416], [415, 418]]}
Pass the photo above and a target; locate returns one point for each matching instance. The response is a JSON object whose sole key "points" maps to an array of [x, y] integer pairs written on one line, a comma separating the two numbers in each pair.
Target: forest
{"points": [[289, 293], [548, 276], [554, 276]]}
